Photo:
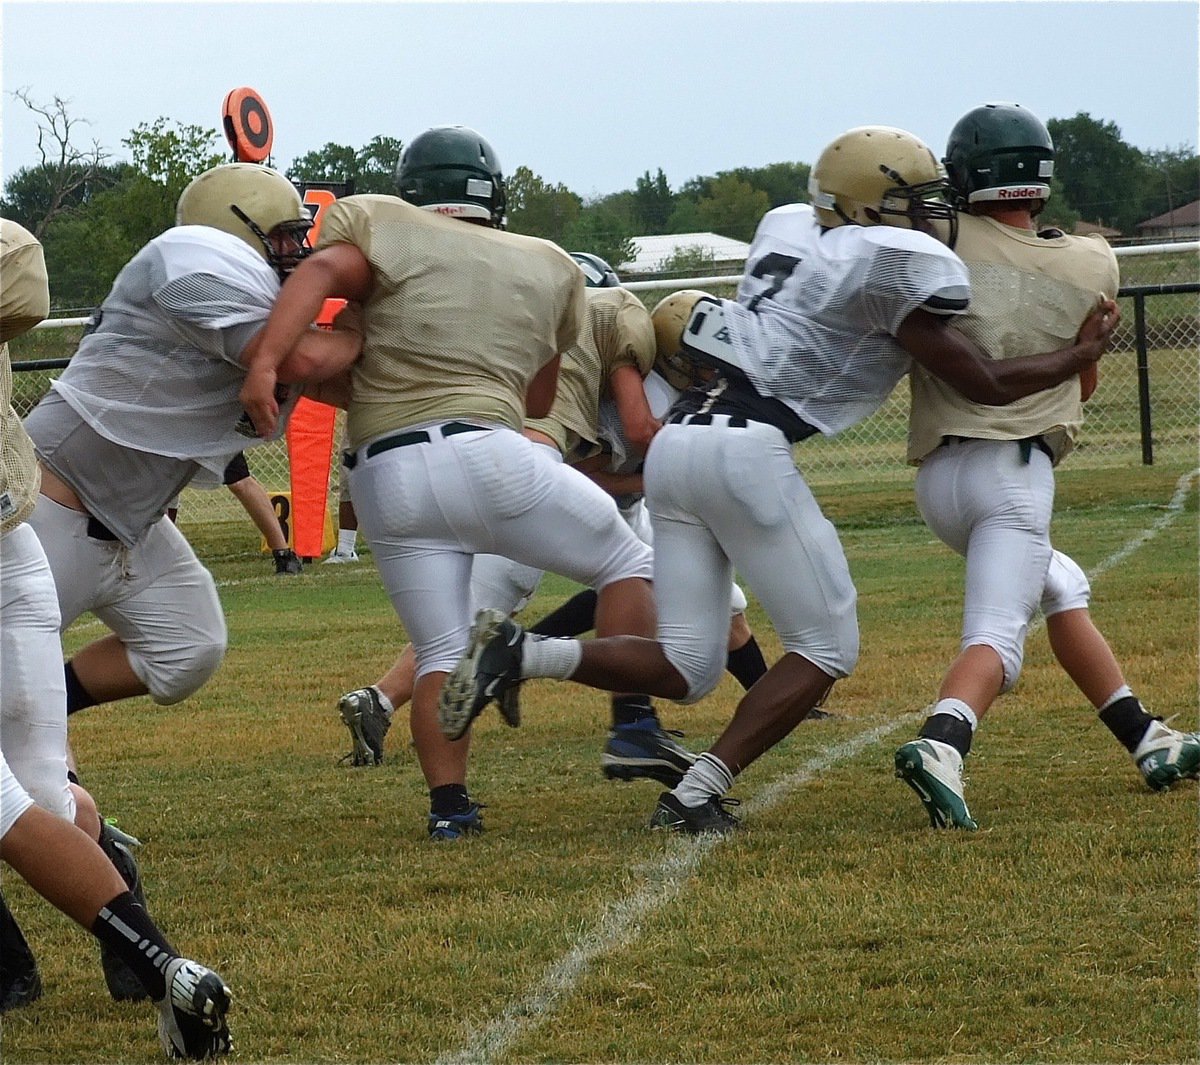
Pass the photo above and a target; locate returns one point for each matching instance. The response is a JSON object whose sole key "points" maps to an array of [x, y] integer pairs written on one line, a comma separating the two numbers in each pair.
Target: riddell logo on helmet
{"points": [[1030, 193]]}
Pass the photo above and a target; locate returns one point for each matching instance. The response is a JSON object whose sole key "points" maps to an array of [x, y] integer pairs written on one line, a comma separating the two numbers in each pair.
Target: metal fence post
{"points": [[1143, 376]]}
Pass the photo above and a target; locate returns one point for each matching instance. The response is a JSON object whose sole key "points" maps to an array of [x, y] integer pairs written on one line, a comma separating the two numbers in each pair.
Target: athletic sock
{"points": [[78, 697], [135, 938], [542, 656], [1126, 718], [384, 702], [633, 709], [708, 778], [576, 616], [949, 724], [746, 663], [449, 799], [347, 538]]}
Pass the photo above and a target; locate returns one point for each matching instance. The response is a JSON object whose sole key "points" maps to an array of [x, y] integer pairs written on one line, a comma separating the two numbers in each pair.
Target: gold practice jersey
{"points": [[617, 332], [24, 301], [1029, 294], [460, 319]]}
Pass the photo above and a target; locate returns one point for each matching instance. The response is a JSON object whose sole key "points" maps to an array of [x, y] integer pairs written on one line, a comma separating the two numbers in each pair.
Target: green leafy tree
{"points": [[86, 247], [733, 208], [35, 195], [601, 230], [1103, 178], [1172, 179], [653, 202], [538, 208], [1058, 212], [372, 167]]}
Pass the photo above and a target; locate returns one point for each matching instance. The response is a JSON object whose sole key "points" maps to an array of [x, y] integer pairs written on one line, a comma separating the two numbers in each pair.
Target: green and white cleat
{"points": [[1165, 756], [933, 770]]}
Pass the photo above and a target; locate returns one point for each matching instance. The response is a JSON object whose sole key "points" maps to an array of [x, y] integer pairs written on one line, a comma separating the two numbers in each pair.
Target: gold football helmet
{"points": [[878, 175], [254, 203], [670, 317]]}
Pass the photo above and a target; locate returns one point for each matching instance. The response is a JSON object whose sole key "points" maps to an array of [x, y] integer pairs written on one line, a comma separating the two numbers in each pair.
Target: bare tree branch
{"points": [[68, 166]]}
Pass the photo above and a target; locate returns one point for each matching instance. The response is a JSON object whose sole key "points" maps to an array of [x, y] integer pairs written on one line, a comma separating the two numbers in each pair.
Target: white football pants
{"points": [[156, 596], [725, 499], [33, 691], [426, 509], [981, 499]]}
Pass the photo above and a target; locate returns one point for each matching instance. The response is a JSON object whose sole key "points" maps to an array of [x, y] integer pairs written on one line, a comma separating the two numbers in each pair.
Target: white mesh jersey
{"points": [[617, 332], [24, 301], [460, 317], [817, 312], [150, 399], [1029, 294]]}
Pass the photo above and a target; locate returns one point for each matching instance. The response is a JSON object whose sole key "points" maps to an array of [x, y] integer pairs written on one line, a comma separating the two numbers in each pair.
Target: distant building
{"points": [[1086, 229], [653, 252], [1183, 223]]}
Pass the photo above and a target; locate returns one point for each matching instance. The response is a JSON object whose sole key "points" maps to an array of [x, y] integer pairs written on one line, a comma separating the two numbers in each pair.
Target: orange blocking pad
{"points": [[310, 447], [282, 502]]}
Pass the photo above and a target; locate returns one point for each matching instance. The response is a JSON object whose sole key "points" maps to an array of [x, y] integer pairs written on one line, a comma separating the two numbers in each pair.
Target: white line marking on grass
{"points": [[620, 923], [1174, 508]]}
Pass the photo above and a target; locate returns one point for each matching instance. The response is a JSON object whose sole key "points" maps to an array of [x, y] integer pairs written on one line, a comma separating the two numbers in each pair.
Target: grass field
{"points": [[836, 927]]}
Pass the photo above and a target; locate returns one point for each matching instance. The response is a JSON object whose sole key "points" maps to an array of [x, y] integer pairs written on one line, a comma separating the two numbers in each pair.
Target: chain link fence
{"points": [[1154, 376]]}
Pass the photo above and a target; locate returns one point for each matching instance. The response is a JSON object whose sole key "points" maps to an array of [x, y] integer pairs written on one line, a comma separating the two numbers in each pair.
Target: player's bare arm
{"points": [[339, 271], [539, 396], [943, 350], [629, 394]]}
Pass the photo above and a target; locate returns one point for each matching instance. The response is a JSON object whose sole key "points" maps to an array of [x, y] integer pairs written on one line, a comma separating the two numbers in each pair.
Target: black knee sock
{"points": [[949, 728], [627, 709], [746, 663], [449, 799], [577, 615], [1127, 720], [136, 940], [78, 697]]}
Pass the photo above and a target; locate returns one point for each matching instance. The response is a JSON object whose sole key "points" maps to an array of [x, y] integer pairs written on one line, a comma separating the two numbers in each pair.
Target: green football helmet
{"points": [[452, 170], [999, 152], [596, 272]]}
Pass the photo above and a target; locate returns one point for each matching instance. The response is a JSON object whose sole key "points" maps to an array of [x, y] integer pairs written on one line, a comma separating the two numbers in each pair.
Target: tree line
{"points": [[93, 214]]}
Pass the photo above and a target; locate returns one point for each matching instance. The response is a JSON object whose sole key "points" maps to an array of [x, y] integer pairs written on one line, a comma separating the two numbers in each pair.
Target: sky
{"points": [[593, 95]]}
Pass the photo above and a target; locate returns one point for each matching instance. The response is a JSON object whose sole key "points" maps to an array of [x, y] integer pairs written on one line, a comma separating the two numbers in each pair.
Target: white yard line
{"points": [[620, 922]]}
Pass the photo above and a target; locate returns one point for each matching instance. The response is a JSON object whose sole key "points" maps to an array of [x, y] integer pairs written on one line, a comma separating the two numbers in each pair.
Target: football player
{"points": [[837, 301], [148, 403], [465, 326], [985, 483], [68, 869], [618, 470], [60, 846], [603, 369]]}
